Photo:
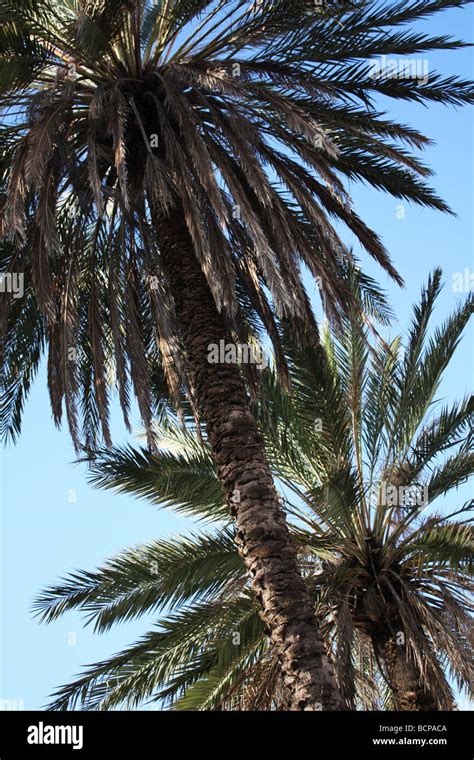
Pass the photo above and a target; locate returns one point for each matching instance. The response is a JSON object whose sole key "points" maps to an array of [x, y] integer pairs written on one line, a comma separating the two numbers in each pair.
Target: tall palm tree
{"points": [[389, 573], [163, 160]]}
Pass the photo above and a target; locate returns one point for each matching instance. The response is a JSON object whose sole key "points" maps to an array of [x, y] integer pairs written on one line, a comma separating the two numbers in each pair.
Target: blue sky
{"points": [[52, 521]]}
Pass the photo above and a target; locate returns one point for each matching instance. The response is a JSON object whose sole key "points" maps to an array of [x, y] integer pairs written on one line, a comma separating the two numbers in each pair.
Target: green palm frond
{"points": [[164, 479], [449, 545], [183, 651], [455, 470], [422, 379], [164, 574], [221, 685], [452, 427]]}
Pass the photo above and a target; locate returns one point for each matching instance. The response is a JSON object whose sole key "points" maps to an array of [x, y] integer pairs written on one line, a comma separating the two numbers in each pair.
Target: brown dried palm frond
{"points": [[247, 119]]}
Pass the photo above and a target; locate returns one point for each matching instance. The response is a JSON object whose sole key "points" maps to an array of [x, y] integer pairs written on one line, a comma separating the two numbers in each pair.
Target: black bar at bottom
{"points": [[96, 734]]}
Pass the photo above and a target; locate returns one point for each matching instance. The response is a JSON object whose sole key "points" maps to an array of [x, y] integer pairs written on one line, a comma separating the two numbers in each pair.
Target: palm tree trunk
{"points": [[403, 676], [262, 534]]}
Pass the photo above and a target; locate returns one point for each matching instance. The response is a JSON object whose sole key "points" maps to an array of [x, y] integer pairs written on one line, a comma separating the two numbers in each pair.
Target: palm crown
{"points": [[355, 444], [248, 117]]}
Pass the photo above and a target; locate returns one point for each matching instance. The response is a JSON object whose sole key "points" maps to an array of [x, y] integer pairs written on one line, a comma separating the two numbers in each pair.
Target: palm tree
{"points": [[359, 439], [163, 162]]}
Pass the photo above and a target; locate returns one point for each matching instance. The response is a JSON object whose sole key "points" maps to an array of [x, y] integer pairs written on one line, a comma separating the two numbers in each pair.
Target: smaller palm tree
{"points": [[362, 451]]}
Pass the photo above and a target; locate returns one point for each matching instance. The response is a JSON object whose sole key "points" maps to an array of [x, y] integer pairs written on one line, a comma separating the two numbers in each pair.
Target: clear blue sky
{"points": [[45, 535]]}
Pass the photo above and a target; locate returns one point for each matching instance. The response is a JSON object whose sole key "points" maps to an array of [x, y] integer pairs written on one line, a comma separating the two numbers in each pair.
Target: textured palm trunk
{"points": [[403, 676], [262, 534]]}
